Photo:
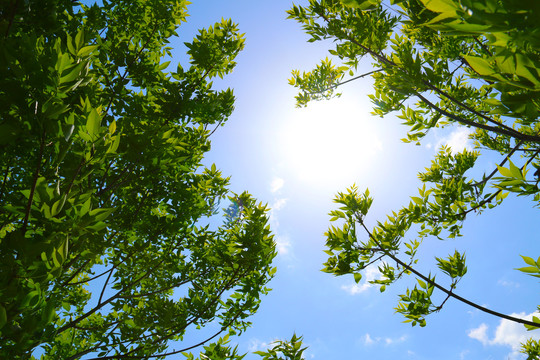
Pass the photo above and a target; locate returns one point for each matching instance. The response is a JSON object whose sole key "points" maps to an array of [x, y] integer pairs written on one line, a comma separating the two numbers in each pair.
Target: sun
{"points": [[331, 143]]}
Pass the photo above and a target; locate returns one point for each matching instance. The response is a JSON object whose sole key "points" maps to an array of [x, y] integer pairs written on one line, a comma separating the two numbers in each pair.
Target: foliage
{"points": [[290, 350], [104, 251], [437, 63]]}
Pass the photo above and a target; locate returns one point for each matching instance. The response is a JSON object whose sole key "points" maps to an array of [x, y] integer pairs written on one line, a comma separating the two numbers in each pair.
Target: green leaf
{"points": [[79, 39], [504, 171], [357, 277], [114, 145], [66, 305], [31, 299], [93, 123], [70, 46], [112, 127], [529, 269], [73, 73], [440, 6], [480, 65], [58, 205], [101, 214], [164, 65], [85, 51], [361, 4], [529, 260], [515, 171]]}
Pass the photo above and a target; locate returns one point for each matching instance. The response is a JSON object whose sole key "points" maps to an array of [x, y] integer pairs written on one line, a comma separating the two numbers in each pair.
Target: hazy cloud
{"points": [[257, 345], [390, 341], [368, 340], [278, 204], [510, 284], [283, 244]]}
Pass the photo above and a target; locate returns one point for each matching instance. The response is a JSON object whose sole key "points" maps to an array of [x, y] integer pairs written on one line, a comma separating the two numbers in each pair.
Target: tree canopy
{"points": [[437, 64], [106, 250]]}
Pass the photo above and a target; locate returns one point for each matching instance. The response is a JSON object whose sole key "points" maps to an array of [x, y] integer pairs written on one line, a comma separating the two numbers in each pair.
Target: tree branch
{"points": [[34, 182], [443, 289]]}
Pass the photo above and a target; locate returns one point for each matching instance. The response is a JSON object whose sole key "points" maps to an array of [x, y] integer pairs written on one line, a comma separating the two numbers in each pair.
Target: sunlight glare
{"points": [[331, 143]]}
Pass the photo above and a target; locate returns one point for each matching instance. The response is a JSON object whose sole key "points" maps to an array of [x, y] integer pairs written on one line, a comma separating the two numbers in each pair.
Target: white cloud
{"points": [[371, 273], [283, 244], [257, 345], [508, 333], [511, 334], [457, 140], [480, 334], [278, 204], [276, 184], [510, 284], [368, 340], [390, 341]]}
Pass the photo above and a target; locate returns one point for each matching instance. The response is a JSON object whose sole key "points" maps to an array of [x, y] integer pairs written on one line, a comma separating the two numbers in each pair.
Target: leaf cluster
{"points": [[104, 247]]}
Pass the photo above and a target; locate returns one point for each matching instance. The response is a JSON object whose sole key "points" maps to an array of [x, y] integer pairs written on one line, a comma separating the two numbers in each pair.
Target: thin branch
{"points": [[482, 45], [67, 283], [346, 81], [14, 8], [171, 352], [34, 182], [4, 181], [104, 287], [489, 199], [156, 291], [486, 179], [446, 291], [513, 134], [135, 58], [505, 129], [217, 126]]}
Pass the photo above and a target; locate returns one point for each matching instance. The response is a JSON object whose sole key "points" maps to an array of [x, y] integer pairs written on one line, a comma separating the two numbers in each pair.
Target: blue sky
{"points": [[297, 159]]}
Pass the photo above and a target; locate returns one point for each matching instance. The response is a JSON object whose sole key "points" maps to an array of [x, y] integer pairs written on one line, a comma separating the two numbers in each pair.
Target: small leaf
{"points": [[73, 73], [480, 65], [70, 45], [85, 51], [93, 122], [515, 171], [79, 39], [529, 260], [112, 127], [164, 65], [504, 171], [528, 269]]}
